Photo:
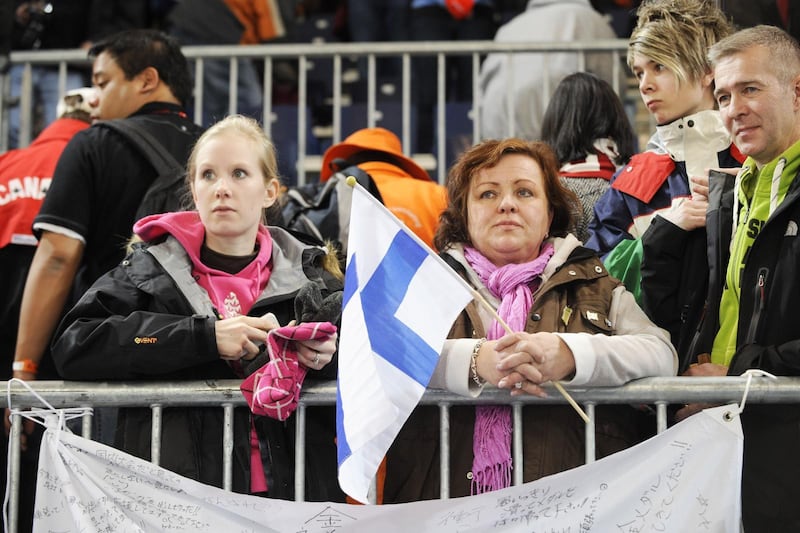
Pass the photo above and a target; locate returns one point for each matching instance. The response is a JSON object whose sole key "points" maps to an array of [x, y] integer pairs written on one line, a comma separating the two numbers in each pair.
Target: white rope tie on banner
{"points": [[50, 417], [750, 373]]}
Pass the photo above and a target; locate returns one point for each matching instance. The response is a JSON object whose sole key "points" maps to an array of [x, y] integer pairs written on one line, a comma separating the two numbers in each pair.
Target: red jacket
{"points": [[25, 176]]}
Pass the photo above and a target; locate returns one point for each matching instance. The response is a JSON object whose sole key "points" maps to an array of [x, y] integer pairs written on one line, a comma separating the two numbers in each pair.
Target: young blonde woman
{"points": [[195, 299]]}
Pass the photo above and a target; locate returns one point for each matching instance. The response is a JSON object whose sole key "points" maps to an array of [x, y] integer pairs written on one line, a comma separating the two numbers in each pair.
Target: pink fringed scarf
{"points": [[514, 285]]}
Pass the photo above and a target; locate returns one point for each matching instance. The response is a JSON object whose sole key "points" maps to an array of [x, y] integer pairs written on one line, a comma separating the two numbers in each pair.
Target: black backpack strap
{"points": [[158, 156], [363, 179], [170, 174]]}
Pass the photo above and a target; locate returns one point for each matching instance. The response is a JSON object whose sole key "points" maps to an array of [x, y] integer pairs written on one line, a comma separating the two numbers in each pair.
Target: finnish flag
{"points": [[400, 301]]}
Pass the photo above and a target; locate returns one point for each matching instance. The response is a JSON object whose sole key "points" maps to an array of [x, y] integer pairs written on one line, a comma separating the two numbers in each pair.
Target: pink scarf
{"points": [[514, 285]]}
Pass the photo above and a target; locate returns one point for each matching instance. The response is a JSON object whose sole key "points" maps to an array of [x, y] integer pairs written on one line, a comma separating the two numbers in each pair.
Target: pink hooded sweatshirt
{"points": [[231, 294]]}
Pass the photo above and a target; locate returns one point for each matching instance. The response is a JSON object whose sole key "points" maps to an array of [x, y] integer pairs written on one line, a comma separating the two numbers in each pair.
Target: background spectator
{"points": [[46, 25], [379, 20], [113, 16], [533, 76], [588, 129], [205, 22], [433, 20]]}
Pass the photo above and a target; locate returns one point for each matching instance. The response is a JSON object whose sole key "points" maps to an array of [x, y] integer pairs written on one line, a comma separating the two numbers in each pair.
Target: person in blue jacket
{"points": [[658, 196]]}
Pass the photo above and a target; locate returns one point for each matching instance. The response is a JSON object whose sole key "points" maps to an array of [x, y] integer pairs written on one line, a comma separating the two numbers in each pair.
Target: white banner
{"points": [[685, 479]]}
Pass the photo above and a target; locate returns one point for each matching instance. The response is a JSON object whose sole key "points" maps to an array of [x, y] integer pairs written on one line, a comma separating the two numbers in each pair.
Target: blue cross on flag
{"points": [[400, 301]]}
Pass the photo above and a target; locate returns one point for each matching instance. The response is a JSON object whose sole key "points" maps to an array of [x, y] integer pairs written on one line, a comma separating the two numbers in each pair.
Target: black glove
{"points": [[311, 306]]}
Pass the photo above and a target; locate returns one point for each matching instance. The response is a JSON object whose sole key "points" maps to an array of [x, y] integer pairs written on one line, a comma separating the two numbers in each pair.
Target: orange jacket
{"points": [[261, 20], [416, 202]]}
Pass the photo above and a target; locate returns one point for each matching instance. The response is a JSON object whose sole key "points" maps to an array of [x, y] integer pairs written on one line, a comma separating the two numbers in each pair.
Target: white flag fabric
{"points": [[400, 301], [685, 479]]}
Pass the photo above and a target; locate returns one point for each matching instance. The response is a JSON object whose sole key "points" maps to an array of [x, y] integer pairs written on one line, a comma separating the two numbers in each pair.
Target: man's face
{"points": [[117, 96], [758, 109]]}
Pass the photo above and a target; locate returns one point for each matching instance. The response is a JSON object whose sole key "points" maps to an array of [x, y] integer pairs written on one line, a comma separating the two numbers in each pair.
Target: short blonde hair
{"points": [[678, 34], [779, 43]]}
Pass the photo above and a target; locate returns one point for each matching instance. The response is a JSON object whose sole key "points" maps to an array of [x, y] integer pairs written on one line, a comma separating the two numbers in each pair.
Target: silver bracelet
{"points": [[473, 363]]}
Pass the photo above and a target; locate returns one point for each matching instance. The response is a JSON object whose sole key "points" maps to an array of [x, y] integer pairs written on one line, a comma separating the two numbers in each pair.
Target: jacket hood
{"points": [[187, 228], [694, 139], [241, 288], [184, 226]]}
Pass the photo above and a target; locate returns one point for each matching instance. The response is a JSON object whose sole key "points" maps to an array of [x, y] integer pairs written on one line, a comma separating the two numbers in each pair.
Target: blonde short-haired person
{"points": [[194, 300], [655, 208]]}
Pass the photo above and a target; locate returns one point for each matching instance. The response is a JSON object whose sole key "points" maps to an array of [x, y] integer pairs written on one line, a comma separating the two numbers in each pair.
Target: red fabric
{"points": [[644, 175], [783, 10], [459, 9], [25, 176], [737, 155], [603, 167], [274, 389], [258, 478]]}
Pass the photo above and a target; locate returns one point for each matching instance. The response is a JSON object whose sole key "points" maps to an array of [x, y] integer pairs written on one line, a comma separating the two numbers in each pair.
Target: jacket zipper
{"points": [[760, 291]]}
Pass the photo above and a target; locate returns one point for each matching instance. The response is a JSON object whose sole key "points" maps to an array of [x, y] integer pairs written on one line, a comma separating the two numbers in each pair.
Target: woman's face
{"points": [[230, 192], [508, 215], [667, 99]]}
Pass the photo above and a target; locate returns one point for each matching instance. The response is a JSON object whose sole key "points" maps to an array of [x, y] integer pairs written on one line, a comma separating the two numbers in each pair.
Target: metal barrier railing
{"points": [[226, 394], [305, 55]]}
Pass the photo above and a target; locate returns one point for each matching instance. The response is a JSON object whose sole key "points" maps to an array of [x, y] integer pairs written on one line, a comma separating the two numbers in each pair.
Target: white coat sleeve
{"points": [[636, 349], [453, 371]]}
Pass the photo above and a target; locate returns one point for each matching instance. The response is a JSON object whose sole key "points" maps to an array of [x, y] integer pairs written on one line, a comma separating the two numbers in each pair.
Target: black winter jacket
{"points": [[768, 338], [149, 320], [676, 264]]}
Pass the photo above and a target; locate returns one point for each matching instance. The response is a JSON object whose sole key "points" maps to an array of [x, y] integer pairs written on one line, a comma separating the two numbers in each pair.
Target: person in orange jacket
{"points": [[406, 188]]}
